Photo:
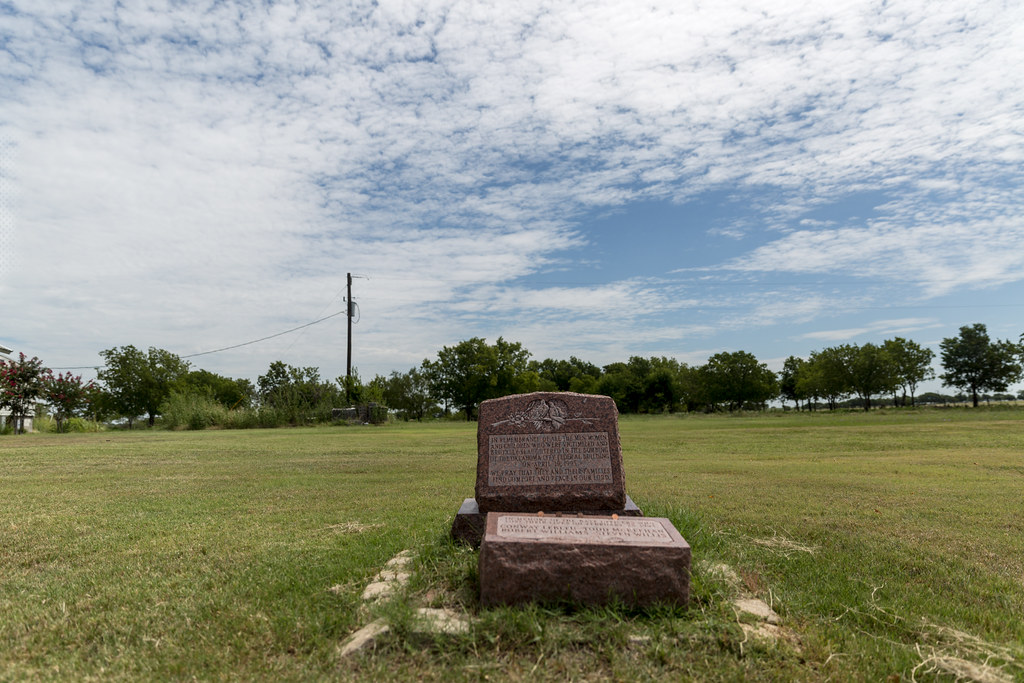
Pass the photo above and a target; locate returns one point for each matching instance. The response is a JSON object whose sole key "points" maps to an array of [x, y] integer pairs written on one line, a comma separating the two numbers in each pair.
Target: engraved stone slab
{"points": [[592, 560], [589, 529], [549, 451], [468, 525]]}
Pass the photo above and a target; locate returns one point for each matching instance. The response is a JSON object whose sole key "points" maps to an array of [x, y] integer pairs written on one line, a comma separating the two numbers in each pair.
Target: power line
{"points": [[233, 346], [255, 341]]}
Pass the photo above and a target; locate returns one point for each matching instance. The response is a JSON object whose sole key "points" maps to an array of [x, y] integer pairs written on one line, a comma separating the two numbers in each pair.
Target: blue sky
{"points": [[598, 179]]}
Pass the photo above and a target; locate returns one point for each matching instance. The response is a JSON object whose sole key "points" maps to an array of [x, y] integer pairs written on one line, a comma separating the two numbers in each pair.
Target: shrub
{"points": [[192, 411], [80, 425], [45, 425]]}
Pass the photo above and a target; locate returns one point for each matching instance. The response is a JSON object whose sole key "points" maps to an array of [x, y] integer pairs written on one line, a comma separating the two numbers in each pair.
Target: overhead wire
{"points": [[255, 341], [233, 346]]}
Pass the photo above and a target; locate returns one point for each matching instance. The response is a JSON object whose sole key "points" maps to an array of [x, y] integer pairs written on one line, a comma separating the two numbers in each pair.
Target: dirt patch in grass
{"points": [[966, 656], [784, 546], [351, 527]]}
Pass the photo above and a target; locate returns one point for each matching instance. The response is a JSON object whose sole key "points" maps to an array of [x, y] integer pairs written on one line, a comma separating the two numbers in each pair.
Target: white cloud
{"points": [[196, 174], [933, 258], [879, 328]]}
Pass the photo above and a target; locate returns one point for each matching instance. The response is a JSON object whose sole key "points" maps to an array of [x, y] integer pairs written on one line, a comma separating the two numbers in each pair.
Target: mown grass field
{"points": [[891, 544]]}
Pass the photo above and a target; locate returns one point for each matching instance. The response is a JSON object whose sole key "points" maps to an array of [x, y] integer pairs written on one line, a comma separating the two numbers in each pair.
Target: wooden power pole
{"points": [[349, 312]]}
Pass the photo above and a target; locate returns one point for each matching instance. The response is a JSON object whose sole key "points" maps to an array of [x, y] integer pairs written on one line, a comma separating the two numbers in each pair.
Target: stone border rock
{"points": [[757, 608], [432, 622], [385, 585], [391, 579], [767, 626]]}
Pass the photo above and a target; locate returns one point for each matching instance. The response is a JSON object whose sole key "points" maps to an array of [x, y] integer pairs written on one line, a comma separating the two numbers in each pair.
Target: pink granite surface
{"points": [[639, 561], [549, 451]]}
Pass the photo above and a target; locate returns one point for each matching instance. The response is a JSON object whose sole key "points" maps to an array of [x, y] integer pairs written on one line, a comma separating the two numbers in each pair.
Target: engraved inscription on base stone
{"points": [[549, 459], [592, 529]]}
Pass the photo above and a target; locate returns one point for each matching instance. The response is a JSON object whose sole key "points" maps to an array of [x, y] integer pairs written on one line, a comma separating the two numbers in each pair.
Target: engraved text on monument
{"points": [[549, 459]]}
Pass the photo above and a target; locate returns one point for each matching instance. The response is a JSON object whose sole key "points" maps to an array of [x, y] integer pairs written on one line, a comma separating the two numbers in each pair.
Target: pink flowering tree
{"points": [[21, 385], [67, 395]]}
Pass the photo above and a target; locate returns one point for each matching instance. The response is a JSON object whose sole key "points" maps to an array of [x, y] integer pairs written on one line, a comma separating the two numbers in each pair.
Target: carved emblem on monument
{"points": [[542, 415]]}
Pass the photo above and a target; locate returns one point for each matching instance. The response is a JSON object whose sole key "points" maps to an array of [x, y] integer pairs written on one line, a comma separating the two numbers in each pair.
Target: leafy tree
{"points": [[67, 395], [283, 382], [230, 393], [912, 363], [561, 373], [644, 385], [870, 370], [409, 394], [373, 391], [140, 382], [736, 379], [624, 383], [100, 404], [511, 365], [299, 393], [473, 371], [661, 387], [584, 384], [459, 376], [825, 375], [788, 380], [21, 385], [974, 363], [691, 388], [124, 375], [351, 387]]}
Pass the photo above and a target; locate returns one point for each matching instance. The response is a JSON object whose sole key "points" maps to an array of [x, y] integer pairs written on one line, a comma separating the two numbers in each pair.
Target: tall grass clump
{"points": [[192, 411], [73, 425], [200, 410], [298, 405]]}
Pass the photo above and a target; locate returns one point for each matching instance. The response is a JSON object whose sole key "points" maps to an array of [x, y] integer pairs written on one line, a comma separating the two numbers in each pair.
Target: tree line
{"points": [[472, 371], [134, 383]]}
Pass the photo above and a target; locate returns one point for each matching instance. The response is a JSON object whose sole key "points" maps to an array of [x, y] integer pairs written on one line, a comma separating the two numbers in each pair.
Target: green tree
{"points": [[644, 385], [124, 378], [691, 388], [789, 388], [912, 363], [974, 363], [100, 404], [299, 394], [662, 385], [871, 371], [473, 371], [231, 393], [21, 385], [585, 384], [825, 375], [285, 384], [139, 383], [624, 383], [511, 367], [67, 395], [561, 373], [459, 376], [409, 394], [736, 380]]}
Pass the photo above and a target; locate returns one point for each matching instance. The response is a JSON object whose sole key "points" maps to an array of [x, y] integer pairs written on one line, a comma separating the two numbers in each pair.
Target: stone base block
{"points": [[638, 561], [469, 523]]}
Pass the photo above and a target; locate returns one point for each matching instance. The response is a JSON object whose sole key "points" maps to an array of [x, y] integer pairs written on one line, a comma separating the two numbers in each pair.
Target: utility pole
{"points": [[350, 311]]}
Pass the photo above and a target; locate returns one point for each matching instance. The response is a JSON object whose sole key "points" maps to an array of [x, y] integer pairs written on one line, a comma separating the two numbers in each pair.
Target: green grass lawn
{"points": [[891, 544]]}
